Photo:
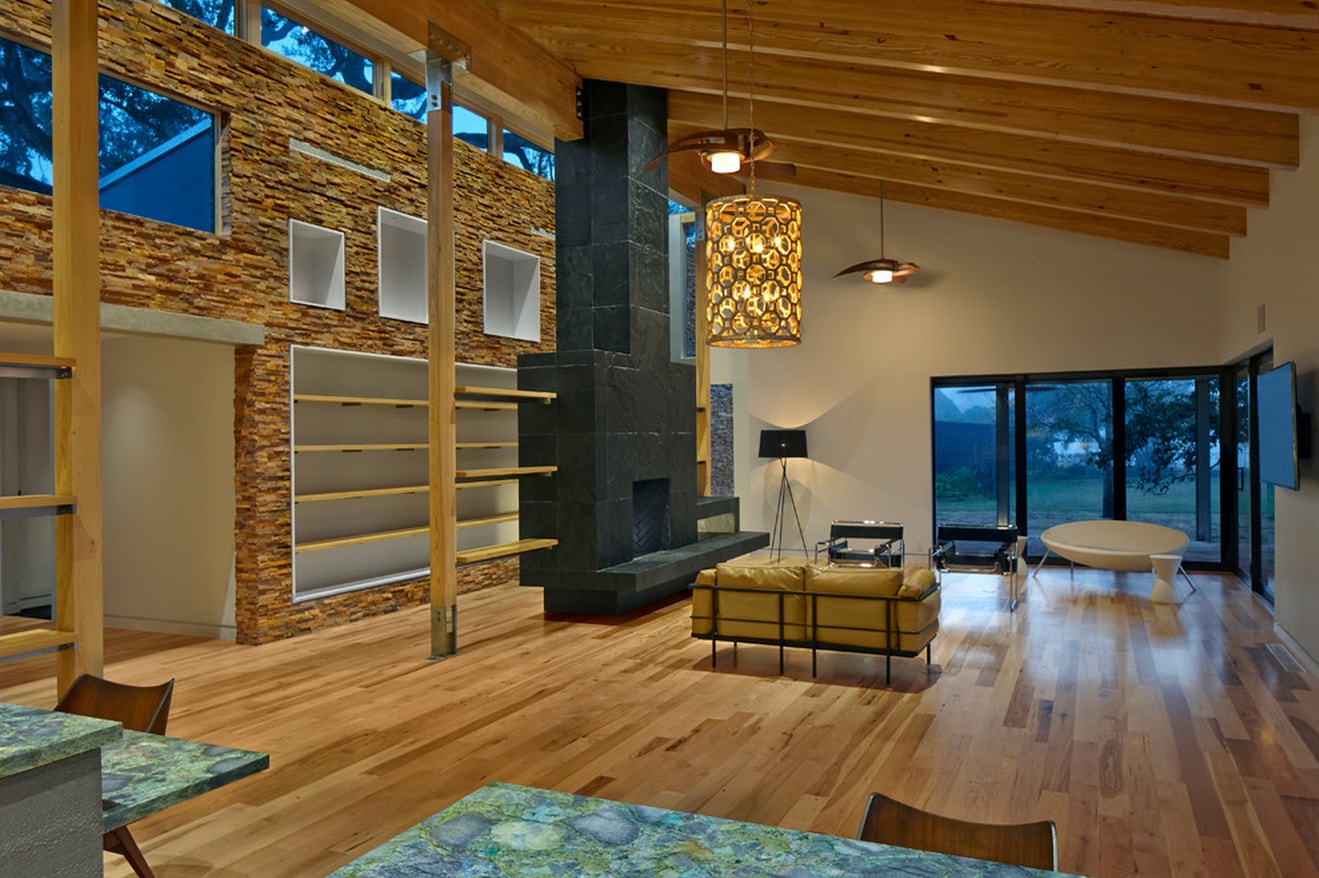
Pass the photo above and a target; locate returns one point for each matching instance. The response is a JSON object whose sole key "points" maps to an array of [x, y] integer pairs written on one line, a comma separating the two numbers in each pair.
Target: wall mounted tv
{"points": [[1283, 431]]}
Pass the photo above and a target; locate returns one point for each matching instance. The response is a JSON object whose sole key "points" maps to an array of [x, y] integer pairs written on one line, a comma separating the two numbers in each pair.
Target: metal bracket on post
{"points": [[444, 632], [446, 57]]}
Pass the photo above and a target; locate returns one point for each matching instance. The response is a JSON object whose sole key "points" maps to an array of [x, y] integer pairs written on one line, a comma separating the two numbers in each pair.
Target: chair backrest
{"points": [[889, 821], [976, 533], [866, 530], [139, 708]]}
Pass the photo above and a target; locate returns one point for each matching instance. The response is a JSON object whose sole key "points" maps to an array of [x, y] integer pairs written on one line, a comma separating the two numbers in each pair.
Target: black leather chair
{"points": [[863, 544], [965, 548]]}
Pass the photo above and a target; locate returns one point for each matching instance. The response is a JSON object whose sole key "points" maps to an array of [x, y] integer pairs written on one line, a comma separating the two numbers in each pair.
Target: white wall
{"points": [[994, 298], [168, 485], [1277, 266]]}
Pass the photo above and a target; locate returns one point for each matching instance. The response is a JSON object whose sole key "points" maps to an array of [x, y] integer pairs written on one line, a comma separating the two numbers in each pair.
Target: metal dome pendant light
{"points": [[753, 259], [882, 270]]}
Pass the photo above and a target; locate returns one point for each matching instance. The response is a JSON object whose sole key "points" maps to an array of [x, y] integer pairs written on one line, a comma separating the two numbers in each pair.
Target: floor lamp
{"points": [[784, 444]]}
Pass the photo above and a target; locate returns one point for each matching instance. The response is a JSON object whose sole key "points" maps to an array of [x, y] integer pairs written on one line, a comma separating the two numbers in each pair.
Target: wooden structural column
{"points": [[77, 302], [443, 52]]}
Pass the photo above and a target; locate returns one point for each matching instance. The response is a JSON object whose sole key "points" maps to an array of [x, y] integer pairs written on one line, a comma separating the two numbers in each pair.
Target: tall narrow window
{"points": [[1172, 452], [216, 13], [974, 479], [527, 155], [406, 96], [1069, 452], [300, 43], [471, 127]]}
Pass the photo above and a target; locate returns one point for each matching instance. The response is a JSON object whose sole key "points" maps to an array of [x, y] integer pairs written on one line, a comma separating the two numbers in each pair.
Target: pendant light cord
{"points": [[751, 99], [881, 219], [725, 65]]}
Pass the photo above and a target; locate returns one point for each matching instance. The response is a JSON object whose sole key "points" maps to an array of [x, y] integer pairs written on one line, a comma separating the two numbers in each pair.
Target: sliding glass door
{"points": [[1138, 446]]}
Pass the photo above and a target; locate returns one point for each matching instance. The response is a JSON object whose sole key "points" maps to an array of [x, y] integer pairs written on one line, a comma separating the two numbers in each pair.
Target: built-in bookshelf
{"points": [[360, 468]]}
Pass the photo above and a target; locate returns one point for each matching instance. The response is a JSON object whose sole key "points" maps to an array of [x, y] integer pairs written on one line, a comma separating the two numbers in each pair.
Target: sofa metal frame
{"points": [[814, 644]]}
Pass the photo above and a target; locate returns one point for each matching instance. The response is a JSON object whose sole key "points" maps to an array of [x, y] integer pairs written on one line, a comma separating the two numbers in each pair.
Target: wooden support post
{"points": [[76, 319], [440, 303], [705, 465]]}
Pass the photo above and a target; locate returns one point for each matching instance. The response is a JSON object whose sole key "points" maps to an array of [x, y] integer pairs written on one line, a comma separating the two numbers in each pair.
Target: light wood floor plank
{"points": [[1164, 740]]}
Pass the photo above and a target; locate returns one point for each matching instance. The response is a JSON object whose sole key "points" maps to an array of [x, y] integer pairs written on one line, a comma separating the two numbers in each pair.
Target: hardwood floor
{"points": [[1163, 740]]}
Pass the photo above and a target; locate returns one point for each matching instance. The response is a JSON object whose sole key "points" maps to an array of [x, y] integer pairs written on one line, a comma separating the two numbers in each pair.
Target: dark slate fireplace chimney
{"points": [[623, 429]]}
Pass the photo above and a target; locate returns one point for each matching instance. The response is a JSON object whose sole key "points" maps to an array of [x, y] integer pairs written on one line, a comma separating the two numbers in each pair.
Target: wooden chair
{"points": [[889, 821], [139, 708]]}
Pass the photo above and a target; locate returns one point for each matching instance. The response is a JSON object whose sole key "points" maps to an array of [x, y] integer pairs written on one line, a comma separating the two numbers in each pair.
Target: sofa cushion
{"points": [[916, 583], [854, 580], [740, 611], [857, 622]]}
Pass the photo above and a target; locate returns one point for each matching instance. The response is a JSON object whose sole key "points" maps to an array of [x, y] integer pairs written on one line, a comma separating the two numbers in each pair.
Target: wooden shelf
{"points": [[37, 503], [34, 640], [35, 366], [485, 405], [361, 492], [338, 542], [360, 400], [468, 446], [400, 446], [486, 483], [496, 472], [543, 396], [503, 550], [501, 518]]}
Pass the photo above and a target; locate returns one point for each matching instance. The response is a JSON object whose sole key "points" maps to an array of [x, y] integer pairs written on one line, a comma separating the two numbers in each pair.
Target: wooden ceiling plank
{"points": [[507, 65], [1192, 130], [1213, 181], [1115, 228], [1244, 64], [1025, 188], [1269, 13]]}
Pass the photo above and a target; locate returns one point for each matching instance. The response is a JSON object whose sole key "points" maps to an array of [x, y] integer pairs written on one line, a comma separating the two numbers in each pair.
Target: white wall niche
{"points": [[316, 265], [511, 301], [401, 261]]}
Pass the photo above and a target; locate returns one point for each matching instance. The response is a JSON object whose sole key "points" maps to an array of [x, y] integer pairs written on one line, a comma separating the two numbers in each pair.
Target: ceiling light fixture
{"points": [[882, 270], [753, 257], [726, 150]]}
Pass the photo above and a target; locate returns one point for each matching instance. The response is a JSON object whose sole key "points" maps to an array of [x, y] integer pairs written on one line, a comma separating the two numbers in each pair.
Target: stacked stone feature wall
{"points": [[241, 273]]}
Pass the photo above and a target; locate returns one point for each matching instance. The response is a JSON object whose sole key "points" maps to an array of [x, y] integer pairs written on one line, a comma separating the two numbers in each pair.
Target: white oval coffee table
{"points": [[1129, 546]]}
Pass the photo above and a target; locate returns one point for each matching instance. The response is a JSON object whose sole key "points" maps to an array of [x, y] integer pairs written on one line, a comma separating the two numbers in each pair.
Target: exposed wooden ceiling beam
{"points": [[1242, 64], [508, 68], [1197, 130], [1301, 14], [1051, 157], [1200, 243], [1027, 189]]}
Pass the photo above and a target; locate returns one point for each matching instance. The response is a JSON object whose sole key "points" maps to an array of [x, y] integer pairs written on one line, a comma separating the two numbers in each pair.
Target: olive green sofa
{"points": [[876, 610]]}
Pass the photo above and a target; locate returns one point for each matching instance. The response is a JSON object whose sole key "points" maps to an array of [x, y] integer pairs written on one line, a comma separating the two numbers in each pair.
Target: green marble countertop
{"points": [[502, 829], [31, 737], [142, 774]]}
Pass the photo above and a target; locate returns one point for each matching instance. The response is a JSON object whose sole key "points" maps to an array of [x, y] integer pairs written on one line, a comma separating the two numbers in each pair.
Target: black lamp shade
{"points": [[782, 443]]}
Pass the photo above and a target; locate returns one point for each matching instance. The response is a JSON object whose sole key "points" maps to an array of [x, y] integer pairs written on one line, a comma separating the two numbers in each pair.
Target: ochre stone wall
{"points": [[241, 273]]}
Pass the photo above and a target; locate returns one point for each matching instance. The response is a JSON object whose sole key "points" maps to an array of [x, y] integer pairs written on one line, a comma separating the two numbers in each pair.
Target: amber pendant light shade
{"points": [[753, 271]]}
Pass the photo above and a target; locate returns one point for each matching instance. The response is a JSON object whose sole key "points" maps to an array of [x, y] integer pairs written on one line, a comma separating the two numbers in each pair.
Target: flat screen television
{"points": [[1275, 399]]}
